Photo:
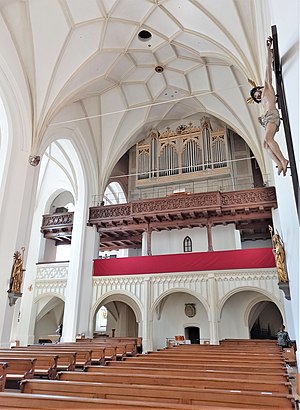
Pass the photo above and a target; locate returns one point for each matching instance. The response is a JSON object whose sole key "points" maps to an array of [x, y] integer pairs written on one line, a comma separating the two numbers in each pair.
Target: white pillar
{"points": [[213, 301], [144, 243], [147, 318], [91, 252], [15, 218], [76, 276]]}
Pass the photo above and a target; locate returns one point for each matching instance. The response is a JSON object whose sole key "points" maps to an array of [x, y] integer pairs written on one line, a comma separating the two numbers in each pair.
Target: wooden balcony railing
{"points": [[122, 225]]}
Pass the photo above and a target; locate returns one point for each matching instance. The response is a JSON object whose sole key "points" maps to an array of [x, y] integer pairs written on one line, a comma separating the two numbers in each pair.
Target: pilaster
{"points": [[213, 309]]}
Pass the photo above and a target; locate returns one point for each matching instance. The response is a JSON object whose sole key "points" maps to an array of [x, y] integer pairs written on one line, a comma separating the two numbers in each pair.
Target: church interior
{"points": [[144, 215]]}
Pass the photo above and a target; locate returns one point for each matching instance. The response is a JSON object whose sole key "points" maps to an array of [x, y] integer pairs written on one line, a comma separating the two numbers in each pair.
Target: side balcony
{"points": [[122, 226]]}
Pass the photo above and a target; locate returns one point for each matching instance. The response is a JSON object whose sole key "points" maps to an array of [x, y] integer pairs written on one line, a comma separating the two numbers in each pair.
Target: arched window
{"points": [[114, 194], [187, 244]]}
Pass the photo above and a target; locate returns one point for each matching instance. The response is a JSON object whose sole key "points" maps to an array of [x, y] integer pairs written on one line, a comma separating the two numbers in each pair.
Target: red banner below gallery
{"points": [[186, 262]]}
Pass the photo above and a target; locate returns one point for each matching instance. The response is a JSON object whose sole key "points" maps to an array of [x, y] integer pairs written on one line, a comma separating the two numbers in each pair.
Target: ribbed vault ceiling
{"points": [[83, 59]]}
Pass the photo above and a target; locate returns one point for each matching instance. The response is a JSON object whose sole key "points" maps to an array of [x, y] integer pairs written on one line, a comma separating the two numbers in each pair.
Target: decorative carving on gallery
{"points": [[250, 196], [52, 272], [181, 202], [65, 218]]}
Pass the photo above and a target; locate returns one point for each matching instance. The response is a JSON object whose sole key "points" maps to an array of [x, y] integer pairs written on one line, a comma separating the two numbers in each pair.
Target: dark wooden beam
{"points": [[285, 116]]}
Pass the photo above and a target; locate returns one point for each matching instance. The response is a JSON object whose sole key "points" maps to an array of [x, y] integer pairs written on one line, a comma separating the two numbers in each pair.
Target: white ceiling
{"points": [[83, 58]]}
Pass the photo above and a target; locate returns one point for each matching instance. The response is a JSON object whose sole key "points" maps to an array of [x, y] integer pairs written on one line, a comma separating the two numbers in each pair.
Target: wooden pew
{"points": [[129, 344], [211, 358], [249, 342], [217, 351], [229, 348], [168, 394], [120, 376], [246, 367], [46, 364], [46, 402], [97, 352], [233, 375], [18, 369], [80, 357], [3, 372]]}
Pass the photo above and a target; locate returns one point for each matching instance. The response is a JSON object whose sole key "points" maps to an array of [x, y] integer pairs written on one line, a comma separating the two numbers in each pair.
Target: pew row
{"points": [[233, 375], [16, 370], [161, 394], [46, 364], [46, 402], [190, 358], [120, 376], [204, 365], [80, 357]]}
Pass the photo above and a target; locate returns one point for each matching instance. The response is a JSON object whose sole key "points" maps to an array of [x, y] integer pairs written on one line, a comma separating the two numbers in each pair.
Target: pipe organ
{"points": [[182, 152]]}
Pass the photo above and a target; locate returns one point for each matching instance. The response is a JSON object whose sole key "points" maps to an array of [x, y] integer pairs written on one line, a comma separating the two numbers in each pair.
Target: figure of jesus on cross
{"points": [[271, 119]]}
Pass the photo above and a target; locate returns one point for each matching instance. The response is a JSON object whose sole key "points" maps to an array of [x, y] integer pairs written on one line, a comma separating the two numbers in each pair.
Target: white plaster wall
{"points": [[166, 242], [257, 244], [52, 181], [223, 238], [46, 326], [234, 323], [286, 17], [61, 201], [172, 319]]}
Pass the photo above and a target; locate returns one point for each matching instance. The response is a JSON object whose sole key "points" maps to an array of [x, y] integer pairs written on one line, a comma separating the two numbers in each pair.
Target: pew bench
{"points": [[46, 363], [120, 376], [233, 375], [218, 348], [228, 349], [190, 358], [128, 344], [80, 357], [245, 367], [97, 353], [46, 402], [216, 353], [17, 369], [161, 394]]}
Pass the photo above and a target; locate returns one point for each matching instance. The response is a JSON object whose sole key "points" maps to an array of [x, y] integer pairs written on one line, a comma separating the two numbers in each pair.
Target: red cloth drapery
{"points": [[186, 262]]}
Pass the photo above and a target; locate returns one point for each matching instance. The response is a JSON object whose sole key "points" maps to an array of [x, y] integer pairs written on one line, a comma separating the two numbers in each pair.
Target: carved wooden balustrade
{"points": [[122, 225], [58, 227]]}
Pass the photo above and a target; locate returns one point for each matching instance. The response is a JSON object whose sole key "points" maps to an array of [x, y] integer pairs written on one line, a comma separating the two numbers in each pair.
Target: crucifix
{"points": [[271, 119], [277, 67]]}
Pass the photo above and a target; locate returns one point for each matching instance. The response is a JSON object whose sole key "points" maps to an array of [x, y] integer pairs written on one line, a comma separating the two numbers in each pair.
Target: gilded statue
{"points": [[279, 254], [16, 276]]}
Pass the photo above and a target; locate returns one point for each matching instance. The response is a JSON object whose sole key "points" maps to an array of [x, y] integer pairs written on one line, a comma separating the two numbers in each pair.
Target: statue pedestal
{"points": [[13, 297], [285, 287]]}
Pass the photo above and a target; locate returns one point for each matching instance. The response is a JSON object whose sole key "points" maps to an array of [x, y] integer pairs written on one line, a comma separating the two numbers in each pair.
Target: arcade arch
{"points": [[172, 318], [49, 315], [242, 309], [123, 314]]}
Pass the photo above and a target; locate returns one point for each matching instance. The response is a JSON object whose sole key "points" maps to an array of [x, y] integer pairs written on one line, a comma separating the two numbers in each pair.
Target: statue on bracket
{"points": [[279, 254], [16, 277]]}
